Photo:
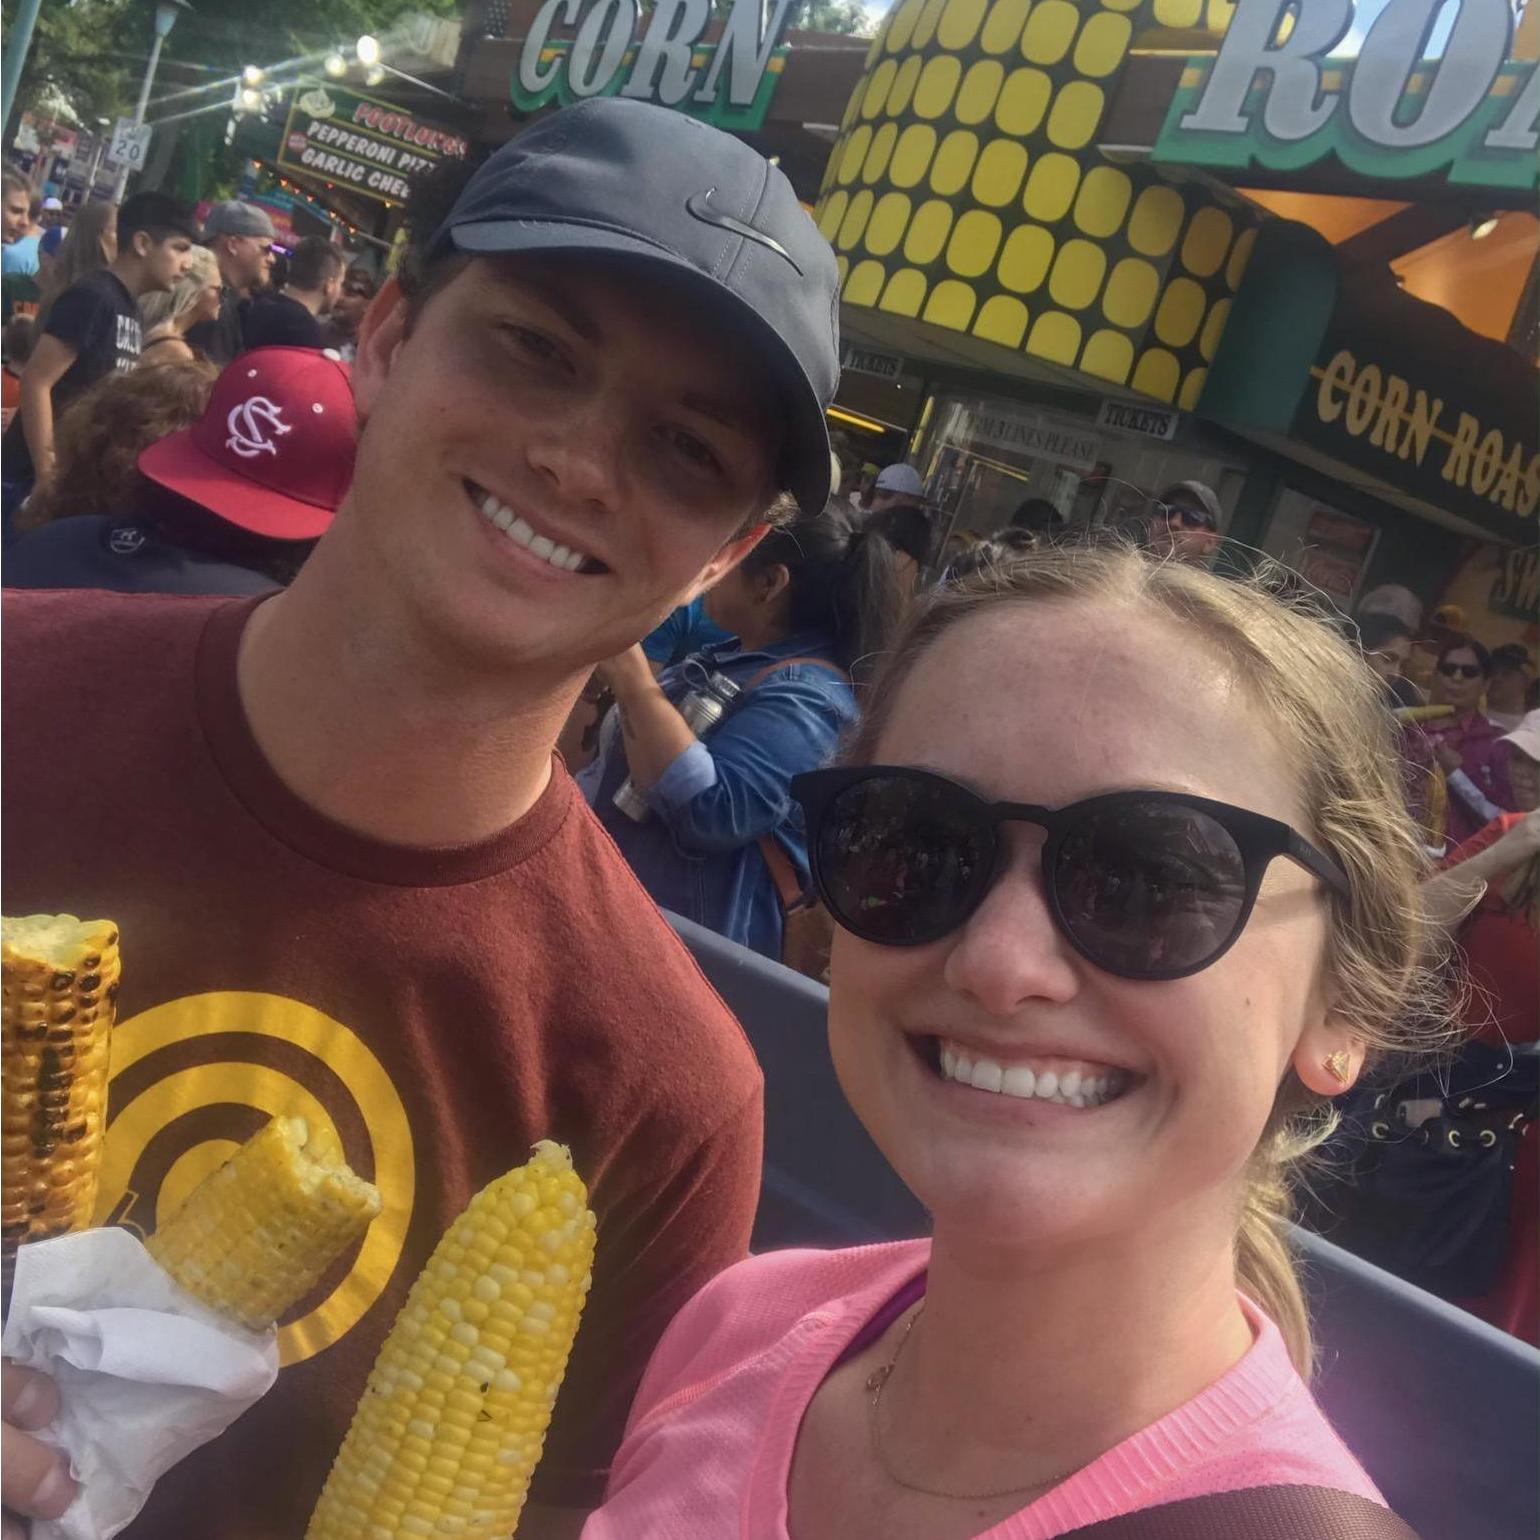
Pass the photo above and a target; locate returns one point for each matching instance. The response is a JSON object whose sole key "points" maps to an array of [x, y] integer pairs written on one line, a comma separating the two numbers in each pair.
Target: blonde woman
{"points": [[167, 315], [1113, 935]]}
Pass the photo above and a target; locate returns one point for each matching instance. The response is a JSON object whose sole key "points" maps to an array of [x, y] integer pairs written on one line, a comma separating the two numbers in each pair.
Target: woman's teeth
{"points": [[1088, 1085], [518, 531]]}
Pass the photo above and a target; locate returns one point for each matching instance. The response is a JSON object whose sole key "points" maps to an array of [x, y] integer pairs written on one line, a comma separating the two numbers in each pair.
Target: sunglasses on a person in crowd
{"points": [[1460, 670], [1144, 884], [1188, 518]]}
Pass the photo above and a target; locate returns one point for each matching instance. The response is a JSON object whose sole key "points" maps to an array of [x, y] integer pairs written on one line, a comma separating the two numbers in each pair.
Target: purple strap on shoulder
{"points": [[884, 1318]]}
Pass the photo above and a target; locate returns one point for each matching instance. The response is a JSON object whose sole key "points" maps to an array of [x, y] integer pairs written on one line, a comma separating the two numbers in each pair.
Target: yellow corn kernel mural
{"points": [[966, 190]]}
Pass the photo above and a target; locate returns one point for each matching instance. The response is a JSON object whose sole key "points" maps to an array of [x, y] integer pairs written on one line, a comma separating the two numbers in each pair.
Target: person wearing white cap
{"points": [[897, 484]]}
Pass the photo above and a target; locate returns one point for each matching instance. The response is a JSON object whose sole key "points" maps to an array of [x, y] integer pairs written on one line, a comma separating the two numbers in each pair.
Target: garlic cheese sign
{"points": [[727, 82], [1278, 97]]}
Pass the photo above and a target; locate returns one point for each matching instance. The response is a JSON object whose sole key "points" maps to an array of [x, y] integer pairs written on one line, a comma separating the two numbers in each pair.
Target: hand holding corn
{"points": [[453, 1418]]}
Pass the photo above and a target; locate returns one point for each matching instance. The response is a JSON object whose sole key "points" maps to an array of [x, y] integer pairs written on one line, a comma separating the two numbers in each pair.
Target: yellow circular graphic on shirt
{"points": [[194, 1078]]}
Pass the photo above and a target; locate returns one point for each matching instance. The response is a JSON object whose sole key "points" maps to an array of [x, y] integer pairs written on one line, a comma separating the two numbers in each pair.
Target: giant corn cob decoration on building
{"points": [[451, 1424], [254, 1237], [58, 989]]}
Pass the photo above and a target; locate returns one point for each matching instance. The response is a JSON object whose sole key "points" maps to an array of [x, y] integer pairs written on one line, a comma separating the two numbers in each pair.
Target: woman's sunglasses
{"points": [[1460, 670], [1144, 884]]}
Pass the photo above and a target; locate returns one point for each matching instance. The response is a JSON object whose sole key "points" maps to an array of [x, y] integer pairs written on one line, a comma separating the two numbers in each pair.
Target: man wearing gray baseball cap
{"points": [[357, 882], [241, 237]]}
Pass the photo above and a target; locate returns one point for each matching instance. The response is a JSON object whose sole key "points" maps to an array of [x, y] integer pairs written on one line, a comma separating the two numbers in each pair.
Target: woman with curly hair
{"points": [[111, 522], [102, 433]]}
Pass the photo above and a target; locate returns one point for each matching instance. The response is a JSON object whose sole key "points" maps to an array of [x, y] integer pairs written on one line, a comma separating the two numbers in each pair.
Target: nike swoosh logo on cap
{"points": [[699, 205]]}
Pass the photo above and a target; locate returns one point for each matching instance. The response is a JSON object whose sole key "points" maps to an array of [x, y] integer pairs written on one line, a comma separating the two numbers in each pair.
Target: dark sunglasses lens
{"points": [[1458, 670], [1149, 890], [901, 858]]}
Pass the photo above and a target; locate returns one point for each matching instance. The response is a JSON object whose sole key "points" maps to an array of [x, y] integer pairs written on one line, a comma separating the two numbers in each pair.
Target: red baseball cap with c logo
{"points": [[273, 451]]}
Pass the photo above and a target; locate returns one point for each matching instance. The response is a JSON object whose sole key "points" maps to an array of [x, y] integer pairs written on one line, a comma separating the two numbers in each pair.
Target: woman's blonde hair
{"points": [[84, 250], [1383, 958], [169, 304]]}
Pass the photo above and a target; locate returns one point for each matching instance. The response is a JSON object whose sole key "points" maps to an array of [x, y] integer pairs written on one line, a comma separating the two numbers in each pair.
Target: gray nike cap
{"points": [[652, 185]]}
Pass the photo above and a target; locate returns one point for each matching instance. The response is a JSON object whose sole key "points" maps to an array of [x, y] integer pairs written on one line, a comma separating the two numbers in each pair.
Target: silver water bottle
{"points": [[701, 709]]}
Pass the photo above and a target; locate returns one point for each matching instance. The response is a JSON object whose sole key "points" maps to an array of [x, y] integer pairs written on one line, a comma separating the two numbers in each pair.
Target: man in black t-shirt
{"points": [[93, 327], [291, 317]]}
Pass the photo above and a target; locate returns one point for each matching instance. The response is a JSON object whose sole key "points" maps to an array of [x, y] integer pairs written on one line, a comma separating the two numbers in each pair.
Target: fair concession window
{"points": [[985, 459]]}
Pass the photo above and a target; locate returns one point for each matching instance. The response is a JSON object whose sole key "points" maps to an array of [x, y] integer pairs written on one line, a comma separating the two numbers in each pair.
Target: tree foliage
{"points": [[92, 53], [847, 16]]}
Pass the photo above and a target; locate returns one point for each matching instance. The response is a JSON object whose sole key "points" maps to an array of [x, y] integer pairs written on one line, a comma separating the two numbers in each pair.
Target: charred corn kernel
{"points": [[454, 1415], [253, 1238], [58, 989]]}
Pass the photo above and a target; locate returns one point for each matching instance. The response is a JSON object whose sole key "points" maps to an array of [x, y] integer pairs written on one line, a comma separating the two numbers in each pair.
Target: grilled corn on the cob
{"points": [[58, 988], [253, 1238], [452, 1421]]}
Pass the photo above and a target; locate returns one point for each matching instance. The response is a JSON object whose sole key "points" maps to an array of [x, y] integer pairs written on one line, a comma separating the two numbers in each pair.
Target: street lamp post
{"points": [[166, 13]]}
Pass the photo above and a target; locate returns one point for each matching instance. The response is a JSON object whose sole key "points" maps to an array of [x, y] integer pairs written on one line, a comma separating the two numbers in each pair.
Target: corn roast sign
{"points": [[1336, 358]]}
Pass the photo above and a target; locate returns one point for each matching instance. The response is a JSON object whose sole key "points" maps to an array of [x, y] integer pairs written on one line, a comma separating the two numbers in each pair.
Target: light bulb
{"points": [[368, 49], [335, 65]]}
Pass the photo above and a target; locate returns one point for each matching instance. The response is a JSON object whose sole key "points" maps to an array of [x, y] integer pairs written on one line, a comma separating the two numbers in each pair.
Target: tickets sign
{"points": [[368, 146]]}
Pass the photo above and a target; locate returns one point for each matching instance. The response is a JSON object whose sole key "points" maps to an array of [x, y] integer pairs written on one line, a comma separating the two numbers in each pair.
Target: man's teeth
{"points": [[520, 533], [1088, 1086]]}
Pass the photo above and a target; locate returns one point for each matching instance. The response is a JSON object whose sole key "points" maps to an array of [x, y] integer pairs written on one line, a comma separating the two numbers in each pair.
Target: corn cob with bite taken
{"points": [[452, 1420], [58, 989], [253, 1238]]}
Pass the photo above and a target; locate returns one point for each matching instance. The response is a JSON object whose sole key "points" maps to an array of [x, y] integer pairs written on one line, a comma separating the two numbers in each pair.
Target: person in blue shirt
{"points": [[687, 630], [806, 611]]}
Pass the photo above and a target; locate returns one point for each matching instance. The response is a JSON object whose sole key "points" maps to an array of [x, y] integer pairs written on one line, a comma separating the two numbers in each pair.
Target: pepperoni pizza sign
{"points": [[353, 141]]}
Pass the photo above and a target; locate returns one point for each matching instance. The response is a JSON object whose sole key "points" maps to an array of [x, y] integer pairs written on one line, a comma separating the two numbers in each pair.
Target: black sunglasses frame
{"points": [[1460, 670], [1189, 518], [1258, 839]]}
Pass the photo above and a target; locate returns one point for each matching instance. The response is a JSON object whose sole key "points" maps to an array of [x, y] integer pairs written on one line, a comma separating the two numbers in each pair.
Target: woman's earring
{"points": [[1338, 1065]]}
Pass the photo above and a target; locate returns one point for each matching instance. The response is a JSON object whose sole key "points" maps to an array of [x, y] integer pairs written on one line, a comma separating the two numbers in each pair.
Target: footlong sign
{"points": [[368, 146]]}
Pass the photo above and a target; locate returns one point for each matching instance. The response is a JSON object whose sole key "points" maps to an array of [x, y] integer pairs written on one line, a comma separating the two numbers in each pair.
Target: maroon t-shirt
{"points": [[443, 1009]]}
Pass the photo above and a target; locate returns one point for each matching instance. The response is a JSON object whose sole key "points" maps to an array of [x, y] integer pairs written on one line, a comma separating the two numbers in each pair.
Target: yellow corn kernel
{"points": [[425, 1461], [58, 990], [253, 1238]]}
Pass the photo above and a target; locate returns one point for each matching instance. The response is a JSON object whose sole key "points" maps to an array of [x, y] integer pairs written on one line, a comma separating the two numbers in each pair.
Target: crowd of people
{"points": [[1097, 976]]}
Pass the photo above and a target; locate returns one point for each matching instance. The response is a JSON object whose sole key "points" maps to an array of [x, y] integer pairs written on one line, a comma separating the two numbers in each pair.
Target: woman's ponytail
{"points": [[842, 580]]}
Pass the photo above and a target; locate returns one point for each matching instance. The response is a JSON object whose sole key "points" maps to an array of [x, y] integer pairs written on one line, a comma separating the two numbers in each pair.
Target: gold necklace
{"points": [[876, 1383]]}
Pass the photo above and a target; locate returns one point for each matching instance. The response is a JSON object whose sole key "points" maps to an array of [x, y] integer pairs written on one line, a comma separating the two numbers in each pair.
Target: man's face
{"points": [[542, 408], [16, 215], [1390, 658], [164, 261], [331, 292], [245, 261], [357, 291], [1182, 528]]}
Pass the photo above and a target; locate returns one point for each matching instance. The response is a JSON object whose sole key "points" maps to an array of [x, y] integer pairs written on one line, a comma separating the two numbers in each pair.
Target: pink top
{"points": [[708, 1448]]}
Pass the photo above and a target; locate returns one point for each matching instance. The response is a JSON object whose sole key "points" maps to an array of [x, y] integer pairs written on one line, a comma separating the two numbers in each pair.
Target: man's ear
{"points": [[726, 559], [140, 243], [380, 335]]}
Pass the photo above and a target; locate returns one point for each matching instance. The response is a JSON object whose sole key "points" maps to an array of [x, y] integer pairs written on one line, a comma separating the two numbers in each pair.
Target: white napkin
{"points": [[145, 1373]]}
